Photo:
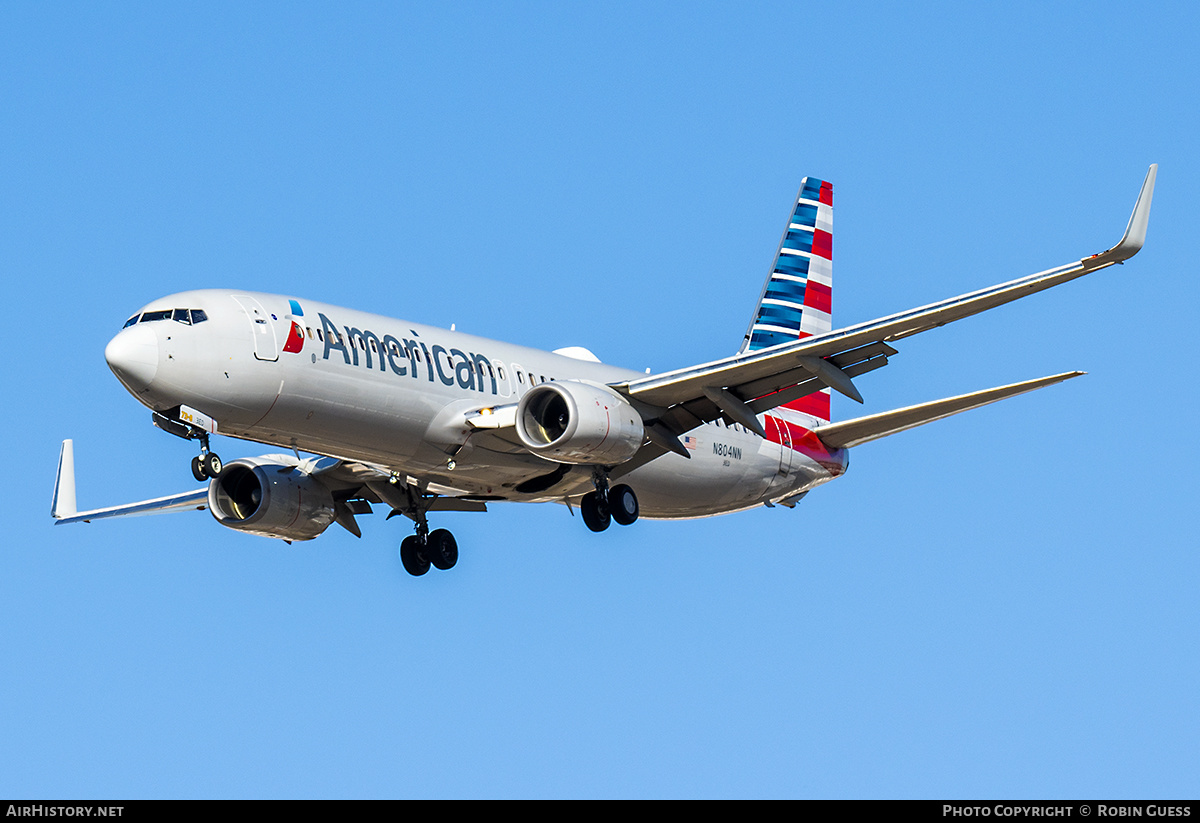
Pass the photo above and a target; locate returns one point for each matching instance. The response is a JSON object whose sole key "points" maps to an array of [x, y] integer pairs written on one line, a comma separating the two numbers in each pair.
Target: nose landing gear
{"points": [[207, 465]]}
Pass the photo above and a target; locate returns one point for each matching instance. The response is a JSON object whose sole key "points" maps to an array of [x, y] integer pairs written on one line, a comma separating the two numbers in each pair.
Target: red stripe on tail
{"points": [[816, 404], [818, 296], [822, 244]]}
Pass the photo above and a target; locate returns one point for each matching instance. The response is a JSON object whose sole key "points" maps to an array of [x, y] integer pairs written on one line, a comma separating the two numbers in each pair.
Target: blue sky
{"points": [[1002, 604]]}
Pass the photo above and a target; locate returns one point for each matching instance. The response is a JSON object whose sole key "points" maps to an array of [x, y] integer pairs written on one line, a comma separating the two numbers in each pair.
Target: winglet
{"points": [[63, 503], [1135, 233]]}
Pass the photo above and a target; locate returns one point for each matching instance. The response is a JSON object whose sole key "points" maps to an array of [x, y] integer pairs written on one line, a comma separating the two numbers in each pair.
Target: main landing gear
{"points": [[426, 548], [437, 548], [604, 505]]}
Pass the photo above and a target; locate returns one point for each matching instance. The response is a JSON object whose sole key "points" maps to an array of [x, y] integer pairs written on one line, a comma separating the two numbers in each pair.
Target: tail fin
{"points": [[796, 300]]}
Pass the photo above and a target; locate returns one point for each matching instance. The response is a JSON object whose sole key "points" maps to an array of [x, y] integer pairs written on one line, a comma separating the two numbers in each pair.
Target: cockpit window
{"points": [[187, 316]]}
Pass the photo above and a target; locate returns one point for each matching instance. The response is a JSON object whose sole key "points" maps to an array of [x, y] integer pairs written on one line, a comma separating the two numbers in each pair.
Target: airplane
{"points": [[426, 420]]}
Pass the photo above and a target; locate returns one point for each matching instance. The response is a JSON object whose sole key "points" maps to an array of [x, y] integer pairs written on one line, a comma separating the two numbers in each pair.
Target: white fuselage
{"points": [[394, 395]]}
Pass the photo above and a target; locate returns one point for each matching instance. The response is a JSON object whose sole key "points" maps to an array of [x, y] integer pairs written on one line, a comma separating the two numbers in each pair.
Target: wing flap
{"points": [[848, 433]]}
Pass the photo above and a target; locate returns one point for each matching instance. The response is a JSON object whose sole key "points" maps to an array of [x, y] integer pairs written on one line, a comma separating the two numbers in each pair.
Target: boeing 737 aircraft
{"points": [[424, 420]]}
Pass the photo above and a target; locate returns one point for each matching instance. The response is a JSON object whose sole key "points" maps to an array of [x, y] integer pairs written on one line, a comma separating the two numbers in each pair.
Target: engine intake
{"points": [[573, 422], [272, 499]]}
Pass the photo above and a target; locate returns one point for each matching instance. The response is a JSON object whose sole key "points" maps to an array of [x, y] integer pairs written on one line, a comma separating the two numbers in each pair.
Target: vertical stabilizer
{"points": [[796, 300]]}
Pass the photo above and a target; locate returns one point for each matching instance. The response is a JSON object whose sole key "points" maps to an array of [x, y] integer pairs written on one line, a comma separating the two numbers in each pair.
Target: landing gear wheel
{"points": [[412, 555], [212, 464], [198, 470], [624, 504], [442, 549], [595, 512]]}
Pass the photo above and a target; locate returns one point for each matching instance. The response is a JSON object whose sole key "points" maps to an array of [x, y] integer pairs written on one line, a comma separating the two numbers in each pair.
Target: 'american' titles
{"points": [[403, 356]]}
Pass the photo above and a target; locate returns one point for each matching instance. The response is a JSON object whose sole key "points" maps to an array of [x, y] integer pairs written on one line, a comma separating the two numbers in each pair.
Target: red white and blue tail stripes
{"points": [[796, 300]]}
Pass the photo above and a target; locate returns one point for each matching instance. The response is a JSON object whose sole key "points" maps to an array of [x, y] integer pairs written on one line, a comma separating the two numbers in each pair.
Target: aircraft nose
{"points": [[133, 356]]}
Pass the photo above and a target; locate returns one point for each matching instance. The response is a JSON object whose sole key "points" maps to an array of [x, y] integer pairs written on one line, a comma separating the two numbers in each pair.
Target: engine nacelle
{"points": [[573, 422], [269, 498]]}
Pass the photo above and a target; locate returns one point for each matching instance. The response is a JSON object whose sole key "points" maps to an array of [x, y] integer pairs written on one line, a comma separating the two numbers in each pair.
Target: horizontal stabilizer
{"points": [[861, 430]]}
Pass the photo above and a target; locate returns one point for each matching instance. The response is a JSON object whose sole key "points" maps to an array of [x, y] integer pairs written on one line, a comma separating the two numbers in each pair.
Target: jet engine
{"points": [[573, 422], [269, 498]]}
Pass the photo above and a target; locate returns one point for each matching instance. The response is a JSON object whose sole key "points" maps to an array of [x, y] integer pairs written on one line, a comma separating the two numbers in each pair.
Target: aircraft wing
{"points": [[354, 487], [63, 506], [747, 384]]}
